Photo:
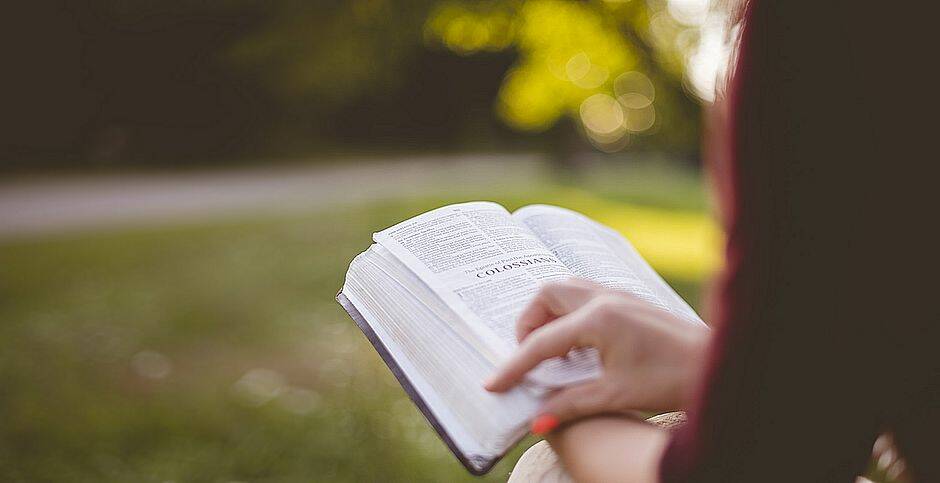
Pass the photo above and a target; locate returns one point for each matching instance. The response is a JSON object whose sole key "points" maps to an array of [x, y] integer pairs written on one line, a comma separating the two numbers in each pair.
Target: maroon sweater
{"points": [[825, 317]]}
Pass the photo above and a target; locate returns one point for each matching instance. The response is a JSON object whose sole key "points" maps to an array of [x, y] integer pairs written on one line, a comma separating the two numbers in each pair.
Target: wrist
{"points": [[694, 367], [608, 448]]}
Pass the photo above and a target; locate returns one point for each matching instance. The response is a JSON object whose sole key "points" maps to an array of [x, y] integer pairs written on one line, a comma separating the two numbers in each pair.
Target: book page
{"points": [[487, 269], [597, 253]]}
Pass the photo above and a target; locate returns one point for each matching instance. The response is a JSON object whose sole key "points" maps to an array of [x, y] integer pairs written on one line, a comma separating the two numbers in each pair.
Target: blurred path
{"points": [[38, 205]]}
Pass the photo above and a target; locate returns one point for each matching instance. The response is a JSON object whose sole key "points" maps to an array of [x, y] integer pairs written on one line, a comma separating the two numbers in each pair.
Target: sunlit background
{"points": [[184, 183]]}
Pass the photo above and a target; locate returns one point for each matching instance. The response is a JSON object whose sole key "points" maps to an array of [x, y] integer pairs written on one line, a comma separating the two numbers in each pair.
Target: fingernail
{"points": [[488, 383], [544, 423]]}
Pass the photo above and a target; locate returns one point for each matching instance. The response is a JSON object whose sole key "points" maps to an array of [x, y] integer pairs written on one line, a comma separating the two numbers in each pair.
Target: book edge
{"points": [[476, 465]]}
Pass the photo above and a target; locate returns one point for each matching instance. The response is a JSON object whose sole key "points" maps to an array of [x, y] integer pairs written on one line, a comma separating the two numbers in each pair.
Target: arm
{"points": [[610, 448]]}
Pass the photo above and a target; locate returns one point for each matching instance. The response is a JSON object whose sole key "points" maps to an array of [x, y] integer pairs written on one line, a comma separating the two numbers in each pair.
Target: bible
{"points": [[438, 295]]}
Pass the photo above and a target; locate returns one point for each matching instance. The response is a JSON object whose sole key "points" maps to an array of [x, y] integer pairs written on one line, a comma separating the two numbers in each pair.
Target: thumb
{"points": [[576, 402]]}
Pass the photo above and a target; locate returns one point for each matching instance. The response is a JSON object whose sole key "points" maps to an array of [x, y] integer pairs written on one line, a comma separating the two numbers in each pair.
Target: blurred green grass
{"points": [[217, 352]]}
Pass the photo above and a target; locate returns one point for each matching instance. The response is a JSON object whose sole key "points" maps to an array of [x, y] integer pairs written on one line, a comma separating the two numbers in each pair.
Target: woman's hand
{"points": [[650, 357]]}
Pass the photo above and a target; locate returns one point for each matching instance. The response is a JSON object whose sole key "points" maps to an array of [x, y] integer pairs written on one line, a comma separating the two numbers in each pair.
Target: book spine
{"points": [[475, 464]]}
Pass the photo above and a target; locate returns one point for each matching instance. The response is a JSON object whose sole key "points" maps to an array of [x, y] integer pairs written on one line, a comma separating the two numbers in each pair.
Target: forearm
{"points": [[610, 448]]}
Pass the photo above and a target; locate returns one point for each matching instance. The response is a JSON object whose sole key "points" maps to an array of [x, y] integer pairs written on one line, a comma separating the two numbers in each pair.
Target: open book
{"points": [[438, 296]]}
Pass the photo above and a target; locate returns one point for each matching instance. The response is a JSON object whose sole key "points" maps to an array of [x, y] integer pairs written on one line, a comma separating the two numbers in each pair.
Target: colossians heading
{"points": [[513, 265]]}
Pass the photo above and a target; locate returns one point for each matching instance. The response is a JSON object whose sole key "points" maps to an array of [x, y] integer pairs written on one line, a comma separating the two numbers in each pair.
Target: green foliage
{"points": [[567, 52], [578, 59], [331, 54]]}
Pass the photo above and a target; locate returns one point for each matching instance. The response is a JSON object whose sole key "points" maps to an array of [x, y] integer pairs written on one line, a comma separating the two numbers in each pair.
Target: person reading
{"points": [[824, 324], [823, 329]]}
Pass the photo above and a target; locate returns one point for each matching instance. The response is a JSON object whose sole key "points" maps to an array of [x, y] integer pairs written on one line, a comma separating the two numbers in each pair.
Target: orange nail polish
{"points": [[544, 423]]}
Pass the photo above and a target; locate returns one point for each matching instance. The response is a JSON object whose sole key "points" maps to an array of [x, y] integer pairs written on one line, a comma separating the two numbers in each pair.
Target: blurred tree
{"points": [[615, 67], [357, 74], [136, 81], [111, 81], [331, 51]]}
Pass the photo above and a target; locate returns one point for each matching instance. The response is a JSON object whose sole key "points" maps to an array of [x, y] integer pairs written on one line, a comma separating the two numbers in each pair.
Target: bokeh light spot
{"points": [[602, 114], [578, 66], [299, 400], [634, 90], [640, 120], [258, 386], [151, 364]]}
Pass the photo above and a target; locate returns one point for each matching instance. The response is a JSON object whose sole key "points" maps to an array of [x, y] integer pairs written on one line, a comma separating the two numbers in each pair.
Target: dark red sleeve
{"points": [[821, 339]]}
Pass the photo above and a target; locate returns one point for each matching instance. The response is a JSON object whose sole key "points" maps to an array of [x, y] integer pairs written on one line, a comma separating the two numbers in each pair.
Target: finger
{"points": [[554, 300], [549, 341], [575, 402]]}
